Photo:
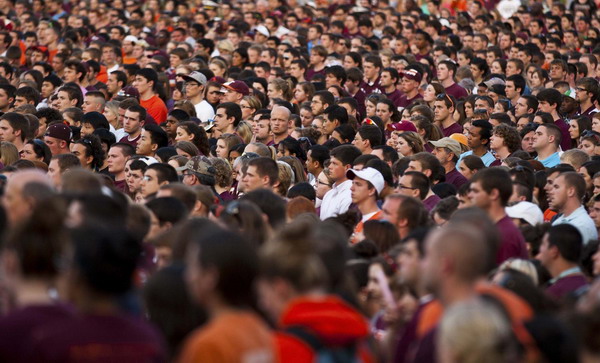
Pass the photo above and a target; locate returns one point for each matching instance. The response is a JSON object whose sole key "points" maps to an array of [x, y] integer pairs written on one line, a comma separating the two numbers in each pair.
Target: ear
{"points": [[154, 147], [495, 194], [427, 172], [89, 159]]}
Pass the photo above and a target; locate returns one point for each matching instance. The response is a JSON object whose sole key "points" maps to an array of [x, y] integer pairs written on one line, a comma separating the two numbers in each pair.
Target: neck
{"points": [[134, 135], [279, 138], [340, 181], [559, 266], [570, 206], [120, 175], [447, 82], [96, 304], [371, 80], [585, 105], [391, 88], [448, 167], [368, 206], [555, 115], [146, 95], [496, 212], [503, 152], [196, 99], [33, 292], [411, 94], [514, 100], [546, 152], [264, 141], [480, 150], [456, 291], [448, 121]]}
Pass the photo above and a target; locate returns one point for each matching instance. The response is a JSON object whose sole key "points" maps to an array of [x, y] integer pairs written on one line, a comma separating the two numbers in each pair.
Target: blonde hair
{"points": [[244, 130], [8, 153], [475, 331], [524, 266], [286, 177], [283, 86]]}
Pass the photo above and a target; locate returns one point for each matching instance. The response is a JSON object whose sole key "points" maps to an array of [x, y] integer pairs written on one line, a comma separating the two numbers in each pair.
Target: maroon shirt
{"points": [[456, 91], [404, 101], [360, 98], [512, 243], [455, 178], [430, 202], [589, 112], [310, 73], [566, 285], [394, 96], [452, 129], [99, 338], [125, 139], [371, 88]]}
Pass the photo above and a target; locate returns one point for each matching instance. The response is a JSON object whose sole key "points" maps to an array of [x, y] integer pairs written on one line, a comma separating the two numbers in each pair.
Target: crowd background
{"points": [[260, 181]]}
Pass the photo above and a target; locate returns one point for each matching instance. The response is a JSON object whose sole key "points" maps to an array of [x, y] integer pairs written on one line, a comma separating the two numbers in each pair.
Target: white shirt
{"points": [[337, 200], [582, 221]]}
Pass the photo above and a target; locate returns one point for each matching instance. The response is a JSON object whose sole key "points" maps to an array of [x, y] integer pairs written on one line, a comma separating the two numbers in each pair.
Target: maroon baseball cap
{"points": [[402, 126], [236, 86], [59, 131], [412, 74]]}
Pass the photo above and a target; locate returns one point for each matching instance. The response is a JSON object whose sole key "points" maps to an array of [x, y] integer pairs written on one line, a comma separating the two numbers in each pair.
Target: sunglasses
{"points": [[443, 96]]}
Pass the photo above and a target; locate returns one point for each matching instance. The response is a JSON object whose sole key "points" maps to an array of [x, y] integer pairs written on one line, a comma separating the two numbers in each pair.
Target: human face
{"points": [[403, 147], [574, 129], [541, 138], [588, 147], [134, 179], [116, 160], [527, 142], [70, 75], [496, 68], [63, 101], [222, 150], [28, 153], [279, 121], [90, 105], [317, 106], [442, 72], [337, 170], [520, 107], [371, 108], [47, 89], [429, 94], [80, 151], [222, 122], [54, 172], [7, 133], [511, 69], [142, 85], [559, 194], [150, 184], [132, 123], [252, 180], [144, 145], [361, 190], [374, 284], [183, 135], [370, 71], [479, 197], [323, 185], [409, 261], [496, 142], [544, 256], [299, 94], [383, 112], [440, 111], [405, 187]]}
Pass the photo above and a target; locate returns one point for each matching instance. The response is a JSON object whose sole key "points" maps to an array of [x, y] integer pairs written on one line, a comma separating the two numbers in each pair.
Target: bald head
{"points": [[280, 121], [24, 190]]}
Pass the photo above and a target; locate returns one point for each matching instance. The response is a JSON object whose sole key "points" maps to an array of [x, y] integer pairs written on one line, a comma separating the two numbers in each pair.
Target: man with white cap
{"points": [[524, 213], [447, 151], [367, 184], [128, 43], [194, 92]]}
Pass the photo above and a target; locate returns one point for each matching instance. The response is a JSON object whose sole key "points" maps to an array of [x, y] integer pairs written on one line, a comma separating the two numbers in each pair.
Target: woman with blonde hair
{"points": [[409, 143], [286, 178], [297, 168], [225, 143], [244, 131], [303, 92], [111, 112], [249, 105], [279, 88], [218, 66], [8, 153]]}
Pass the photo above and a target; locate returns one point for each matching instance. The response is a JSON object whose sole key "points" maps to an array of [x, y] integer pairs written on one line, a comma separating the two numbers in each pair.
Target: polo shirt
{"points": [[581, 220], [337, 200], [487, 158], [551, 161]]}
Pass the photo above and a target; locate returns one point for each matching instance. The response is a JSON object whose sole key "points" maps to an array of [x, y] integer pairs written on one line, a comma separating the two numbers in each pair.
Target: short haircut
{"points": [[168, 210], [486, 128], [420, 182], [78, 67], [575, 180], [17, 122], [346, 154], [126, 149], [266, 166], [389, 153], [531, 101], [372, 133], [519, 82], [66, 161], [338, 113], [150, 74], [553, 130], [320, 154], [158, 136], [164, 172], [338, 72], [73, 93], [428, 162], [232, 110], [495, 178], [141, 111], [29, 93], [550, 95], [568, 240], [326, 97]]}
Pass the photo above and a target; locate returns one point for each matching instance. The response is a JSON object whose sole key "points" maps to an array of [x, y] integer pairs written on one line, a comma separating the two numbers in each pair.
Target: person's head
{"points": [[568, 189], [425, 163], [227, 116], [94, 101], [19, 201], [549, 100], [367, 137], [117, 157], [146, 80], [505, 136], [341, 160], [414, 184], [67, 96], [13, 127], [443, 107], [280, 121], [153, 137], [562, 242], [59, 164], [166, 212], [157, 175], [261, 172], [27, 95], [491, 187], [547, 136], [92, 121], [134, 119]]}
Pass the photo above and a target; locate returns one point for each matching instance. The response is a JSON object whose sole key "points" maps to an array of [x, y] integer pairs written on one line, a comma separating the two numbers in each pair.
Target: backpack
{"points": [[323, 353]]}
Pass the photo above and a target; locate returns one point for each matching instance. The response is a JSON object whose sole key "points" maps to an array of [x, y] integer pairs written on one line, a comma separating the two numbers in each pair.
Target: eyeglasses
{"points": [[287, 58], [443, 96], [405, 187], [320, 182], [581, 89]]}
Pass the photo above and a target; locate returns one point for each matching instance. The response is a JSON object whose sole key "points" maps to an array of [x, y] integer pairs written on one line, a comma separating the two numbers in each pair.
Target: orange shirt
{"points": [[231, 337], [155, 108]]}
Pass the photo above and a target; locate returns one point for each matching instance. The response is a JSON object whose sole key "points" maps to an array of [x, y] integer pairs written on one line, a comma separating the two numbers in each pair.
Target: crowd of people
{"points": [[262, 181]]}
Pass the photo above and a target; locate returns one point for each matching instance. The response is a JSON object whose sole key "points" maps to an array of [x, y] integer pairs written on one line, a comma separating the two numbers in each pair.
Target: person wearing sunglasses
{"points": [[446, 70]]}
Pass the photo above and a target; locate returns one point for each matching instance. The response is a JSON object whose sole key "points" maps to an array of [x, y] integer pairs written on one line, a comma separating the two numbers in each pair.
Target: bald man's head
{"points": [[23, 191]]}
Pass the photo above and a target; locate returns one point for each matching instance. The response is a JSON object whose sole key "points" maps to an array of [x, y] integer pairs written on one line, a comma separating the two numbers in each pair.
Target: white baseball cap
{"points": [[371, 175], [527, 211]]}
